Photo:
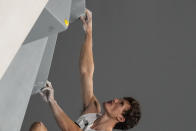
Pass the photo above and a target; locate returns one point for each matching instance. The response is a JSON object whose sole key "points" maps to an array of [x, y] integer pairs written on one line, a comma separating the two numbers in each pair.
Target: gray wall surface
{"points": [[17, 84], [142, 48]]}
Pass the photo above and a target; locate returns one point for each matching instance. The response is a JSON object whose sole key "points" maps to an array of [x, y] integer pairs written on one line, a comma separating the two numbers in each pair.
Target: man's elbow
{"points": [[87, 72], [87, 69]]}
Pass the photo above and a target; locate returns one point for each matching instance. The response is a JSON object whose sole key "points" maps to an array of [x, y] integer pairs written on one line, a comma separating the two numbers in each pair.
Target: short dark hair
{"points": [[132, 116]]}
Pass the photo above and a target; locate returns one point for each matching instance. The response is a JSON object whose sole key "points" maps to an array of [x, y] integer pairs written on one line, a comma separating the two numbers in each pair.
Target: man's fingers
{"points": [[48, 83], [88, 14], [43, 96], [47, 92], [86, 17], [82, 18], [87, 11], [46, 89]]}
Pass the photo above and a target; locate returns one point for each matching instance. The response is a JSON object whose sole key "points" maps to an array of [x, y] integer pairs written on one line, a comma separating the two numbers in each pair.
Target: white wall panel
{"points": [[17, 17]]}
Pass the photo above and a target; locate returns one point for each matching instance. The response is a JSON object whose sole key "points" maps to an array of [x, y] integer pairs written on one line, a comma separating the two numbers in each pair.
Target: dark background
{"points": [[142, 48]]}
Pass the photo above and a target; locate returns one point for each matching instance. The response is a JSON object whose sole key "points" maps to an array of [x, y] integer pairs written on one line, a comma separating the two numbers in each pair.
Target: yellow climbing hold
{"points": [[66, 22]]}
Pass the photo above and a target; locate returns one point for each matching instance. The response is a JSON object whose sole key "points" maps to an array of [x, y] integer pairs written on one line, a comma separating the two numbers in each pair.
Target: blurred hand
{"points": [[47, 92], [87, 21]]}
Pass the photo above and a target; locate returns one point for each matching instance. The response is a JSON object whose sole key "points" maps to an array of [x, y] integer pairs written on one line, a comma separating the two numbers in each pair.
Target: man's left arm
{"points": [[63, 121]]}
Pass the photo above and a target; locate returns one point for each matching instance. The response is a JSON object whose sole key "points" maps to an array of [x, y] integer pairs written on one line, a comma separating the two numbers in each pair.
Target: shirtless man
{"points": [[119, 113]]}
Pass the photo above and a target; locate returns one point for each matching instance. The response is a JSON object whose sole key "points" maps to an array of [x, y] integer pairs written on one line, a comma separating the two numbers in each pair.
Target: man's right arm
{"points": [[86, 63]]}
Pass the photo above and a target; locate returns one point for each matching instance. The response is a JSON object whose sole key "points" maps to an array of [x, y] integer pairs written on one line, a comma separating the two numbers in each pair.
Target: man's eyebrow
{"points": [[128, 104]]}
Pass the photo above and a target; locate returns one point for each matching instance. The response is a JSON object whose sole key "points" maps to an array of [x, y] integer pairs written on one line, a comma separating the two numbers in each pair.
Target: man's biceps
{"points": [[87, 83], [87, 89]]}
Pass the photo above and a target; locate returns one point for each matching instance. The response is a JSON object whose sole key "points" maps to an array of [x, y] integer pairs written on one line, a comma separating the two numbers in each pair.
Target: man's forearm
{"points": [[86, 55], [64, 122]]}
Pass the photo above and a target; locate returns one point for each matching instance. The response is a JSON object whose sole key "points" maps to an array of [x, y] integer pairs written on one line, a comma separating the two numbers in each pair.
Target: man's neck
{"points": [[104, 122]]}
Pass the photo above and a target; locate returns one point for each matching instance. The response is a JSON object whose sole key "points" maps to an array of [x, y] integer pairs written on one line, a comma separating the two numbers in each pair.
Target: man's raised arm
{"points": [[86, 66]]}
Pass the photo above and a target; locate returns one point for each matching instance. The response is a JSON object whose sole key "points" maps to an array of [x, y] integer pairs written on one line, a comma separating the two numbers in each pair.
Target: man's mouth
{"points": [[110, 102]]}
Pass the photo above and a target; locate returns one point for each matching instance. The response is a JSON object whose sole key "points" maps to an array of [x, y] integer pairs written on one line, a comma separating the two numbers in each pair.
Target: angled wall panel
{"points": [[46, 25], [44, 68], [17, 84], [17, 17], [77, 9], [60, 9], [57, 10], [29, 69]]}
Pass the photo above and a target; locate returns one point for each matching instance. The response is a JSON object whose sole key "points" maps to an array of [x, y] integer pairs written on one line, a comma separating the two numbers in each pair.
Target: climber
{"points": [[119, 113]]}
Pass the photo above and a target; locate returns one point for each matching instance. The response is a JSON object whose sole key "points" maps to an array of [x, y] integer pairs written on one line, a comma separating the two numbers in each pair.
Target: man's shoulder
{"points": [[91, 115]]}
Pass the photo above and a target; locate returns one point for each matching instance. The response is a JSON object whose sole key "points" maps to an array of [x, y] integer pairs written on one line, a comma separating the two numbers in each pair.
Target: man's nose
{"points": [[115, 100]]}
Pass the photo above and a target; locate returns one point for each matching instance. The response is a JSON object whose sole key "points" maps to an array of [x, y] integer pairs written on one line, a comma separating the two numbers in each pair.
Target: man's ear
{"points": [[120, 118]]}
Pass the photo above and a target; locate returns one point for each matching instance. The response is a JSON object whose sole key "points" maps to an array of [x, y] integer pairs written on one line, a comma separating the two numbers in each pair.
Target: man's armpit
{"points": [[93, 107]]}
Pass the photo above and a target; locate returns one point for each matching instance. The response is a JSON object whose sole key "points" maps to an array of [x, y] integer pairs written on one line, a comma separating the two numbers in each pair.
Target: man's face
{"points": [[116, 107]]}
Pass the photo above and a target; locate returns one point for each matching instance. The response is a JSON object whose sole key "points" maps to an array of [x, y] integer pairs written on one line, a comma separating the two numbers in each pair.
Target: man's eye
{"points": [[122, 103]]}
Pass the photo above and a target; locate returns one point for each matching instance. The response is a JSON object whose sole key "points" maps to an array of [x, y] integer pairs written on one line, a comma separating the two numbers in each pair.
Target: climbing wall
{"points": [[28, 70], [16, 21]]}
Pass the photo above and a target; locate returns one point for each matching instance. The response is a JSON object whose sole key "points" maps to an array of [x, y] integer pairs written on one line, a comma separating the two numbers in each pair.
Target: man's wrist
{"points": [[52, 101], [89, 33]]}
